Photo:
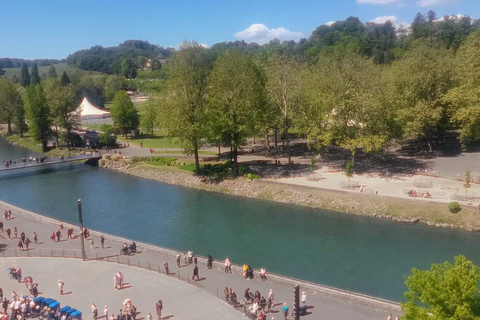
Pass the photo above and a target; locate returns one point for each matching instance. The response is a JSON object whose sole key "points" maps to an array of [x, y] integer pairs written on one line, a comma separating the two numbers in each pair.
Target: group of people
{"points": [[390, 317], [255, 305], [23, 241], [18, 307]]}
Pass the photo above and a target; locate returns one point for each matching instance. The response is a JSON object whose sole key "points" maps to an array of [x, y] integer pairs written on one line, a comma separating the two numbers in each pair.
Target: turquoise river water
{"points": [[361, 254]]}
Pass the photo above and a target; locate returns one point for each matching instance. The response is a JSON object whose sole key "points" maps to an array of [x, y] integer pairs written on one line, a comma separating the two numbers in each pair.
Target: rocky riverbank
{"points": [[399, 210]]}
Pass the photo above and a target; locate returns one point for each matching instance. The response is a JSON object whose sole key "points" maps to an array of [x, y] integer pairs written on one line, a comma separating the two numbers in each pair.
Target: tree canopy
{"points": [[125, 116]]}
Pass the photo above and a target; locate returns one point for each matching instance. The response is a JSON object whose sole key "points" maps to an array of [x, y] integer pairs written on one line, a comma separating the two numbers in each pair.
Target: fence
{"points": [[130, 261]]}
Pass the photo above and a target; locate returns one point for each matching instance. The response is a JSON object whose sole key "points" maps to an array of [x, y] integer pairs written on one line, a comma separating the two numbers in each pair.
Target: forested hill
{"points": [[108, 60], [383, 42]]}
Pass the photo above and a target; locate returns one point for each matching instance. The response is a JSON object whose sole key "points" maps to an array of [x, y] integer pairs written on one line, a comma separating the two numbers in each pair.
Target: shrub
{"points": [[454, 207], [251, 176]]}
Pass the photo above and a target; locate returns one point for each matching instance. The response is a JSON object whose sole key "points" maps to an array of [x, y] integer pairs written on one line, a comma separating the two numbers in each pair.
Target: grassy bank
{"points": [[30, 144]]}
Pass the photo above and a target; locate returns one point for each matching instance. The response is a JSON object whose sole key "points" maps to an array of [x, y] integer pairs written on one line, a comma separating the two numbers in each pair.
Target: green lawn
{"points": [[59, 67], [92, 126], [204, 152], [156, 141]]}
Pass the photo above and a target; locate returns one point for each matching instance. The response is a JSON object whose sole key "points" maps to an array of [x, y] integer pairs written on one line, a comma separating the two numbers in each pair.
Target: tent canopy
{"points": [[87, 109]]}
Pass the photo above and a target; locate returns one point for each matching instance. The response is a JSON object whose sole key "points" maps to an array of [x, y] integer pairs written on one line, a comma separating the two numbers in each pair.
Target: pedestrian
{"points": [[1, 294], [120, 315], [304, 298], [112, 317], [285, 311], [26, 243], [5, 214], [158, 309], [1, 225], [178, 260], [5, 304], [271, 296], [52, 236], [9, 232], [209, 262], [94, 311], [228, 265], [390, 317], [102, 241], [22, 236], [35, 238], [149, 316], [195, 260], [15, 232], [195, 273], [166, 268], [59, 235], [397, 317], [60, 224], [20, 245], [60, 286], [9, 214], [92, 244], [105, 312]]}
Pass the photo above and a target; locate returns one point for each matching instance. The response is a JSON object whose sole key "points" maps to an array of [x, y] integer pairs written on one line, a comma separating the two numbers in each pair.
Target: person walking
{"points": [[149, 316], [1, 294], [285, 311], [195, 273], [20, 245], [102, 241], [94, 311], [15, 232], [105, 312], [1, 225], [26, 243], [92, 244], [178, 260], [9, 232], [390, 317], [166, 268], [52, 236], [59, 235], [60, 286], [158, 309], [209, 262], [5, 304], [112, 317], [35, 238], [228, 265]]}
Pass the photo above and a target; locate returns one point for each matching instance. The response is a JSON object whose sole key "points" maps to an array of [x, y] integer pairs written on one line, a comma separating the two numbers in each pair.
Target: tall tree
{"points": [[10, 102], [129, 68], [61, 102], [125, 115], [25, 76], [38, 114], [418, 85], [186, 96], [446, 291], [35, 78], [284, 89], [64, 80], [465, 98], [52, 72], [235, 93]]}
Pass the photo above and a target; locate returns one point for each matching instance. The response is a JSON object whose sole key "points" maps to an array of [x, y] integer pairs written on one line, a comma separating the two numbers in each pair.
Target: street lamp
{"points": [[79, 205]]}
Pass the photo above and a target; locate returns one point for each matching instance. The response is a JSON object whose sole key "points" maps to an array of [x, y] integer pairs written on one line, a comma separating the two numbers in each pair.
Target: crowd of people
{"points": [[31, 160]]}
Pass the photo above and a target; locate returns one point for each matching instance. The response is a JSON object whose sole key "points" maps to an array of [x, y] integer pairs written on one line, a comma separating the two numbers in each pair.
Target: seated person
{"points": [[427, 195], [263, 274], [233, 296], [133, 247], [227, 294]]}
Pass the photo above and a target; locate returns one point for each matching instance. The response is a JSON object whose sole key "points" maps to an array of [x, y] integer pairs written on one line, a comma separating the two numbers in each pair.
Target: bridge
{"points": [[50, 161]]}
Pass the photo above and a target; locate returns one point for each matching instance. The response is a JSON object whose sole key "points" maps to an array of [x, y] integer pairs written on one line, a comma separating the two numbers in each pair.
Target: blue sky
{"points": [[53, 29]]}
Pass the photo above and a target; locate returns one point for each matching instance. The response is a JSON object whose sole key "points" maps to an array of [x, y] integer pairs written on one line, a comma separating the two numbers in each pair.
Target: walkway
{"points": [[215, 279], [144, 288], [49, 161]]}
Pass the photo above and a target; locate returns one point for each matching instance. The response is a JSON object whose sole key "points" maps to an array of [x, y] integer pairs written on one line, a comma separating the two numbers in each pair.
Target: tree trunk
{"points": [[287, 141], [219, 151], [276, 137], [235, 160], [267, 141], [231, 153], [9, 130], [197, 161], [253, 139], [429, 142], [56, 135]]}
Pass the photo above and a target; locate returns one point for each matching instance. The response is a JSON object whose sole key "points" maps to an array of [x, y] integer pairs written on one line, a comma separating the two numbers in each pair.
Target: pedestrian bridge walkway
{"points": [[21, 165]]}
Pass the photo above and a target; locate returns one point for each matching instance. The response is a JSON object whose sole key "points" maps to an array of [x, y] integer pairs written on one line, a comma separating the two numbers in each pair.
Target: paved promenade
{"points": [[328, 303]]}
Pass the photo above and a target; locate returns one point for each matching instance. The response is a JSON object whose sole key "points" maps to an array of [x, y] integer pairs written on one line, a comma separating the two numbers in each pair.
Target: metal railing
{"points": [[128, 260]]}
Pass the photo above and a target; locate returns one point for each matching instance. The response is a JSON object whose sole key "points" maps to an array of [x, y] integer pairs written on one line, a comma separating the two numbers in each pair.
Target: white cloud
{"points": [[379, 2], [261, 34], [431, 3], [329, 23], [393, 19]]}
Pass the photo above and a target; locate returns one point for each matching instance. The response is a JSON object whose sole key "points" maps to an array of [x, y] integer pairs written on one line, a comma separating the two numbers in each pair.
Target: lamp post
{"points": [[82, 245]]}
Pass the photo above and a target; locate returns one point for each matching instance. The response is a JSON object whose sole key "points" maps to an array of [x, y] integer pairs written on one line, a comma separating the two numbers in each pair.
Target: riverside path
{"points": [[328, 303], [21, 165]]}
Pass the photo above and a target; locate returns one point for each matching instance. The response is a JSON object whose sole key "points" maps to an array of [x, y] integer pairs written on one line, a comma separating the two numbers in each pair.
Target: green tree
{"points": [[52, 72], [38, 114], [149, 119], [113, 84], [445, 291], [129, 68], [25, 76], [62, 106], [186, 96], [10, 102], [15, 79], [418, 85], [467, 181], [349, 171], [284, 90], [35, 78], [64, 80], [107, 135], [465, 99], [125, 115], [235, 92]]}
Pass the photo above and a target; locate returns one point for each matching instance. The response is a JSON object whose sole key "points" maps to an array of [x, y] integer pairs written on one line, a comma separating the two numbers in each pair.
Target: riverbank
{"points": [[395, 209], [28, 143]]}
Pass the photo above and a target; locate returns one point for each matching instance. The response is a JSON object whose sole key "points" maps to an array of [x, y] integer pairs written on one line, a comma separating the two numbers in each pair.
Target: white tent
{"points": [[86, 110]]}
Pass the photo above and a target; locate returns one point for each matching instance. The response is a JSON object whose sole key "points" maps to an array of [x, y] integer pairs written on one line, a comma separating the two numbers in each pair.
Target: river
{"points": [[361, 254]]}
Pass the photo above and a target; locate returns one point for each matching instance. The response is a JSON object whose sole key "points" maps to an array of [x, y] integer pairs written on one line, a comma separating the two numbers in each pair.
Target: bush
{"points": [[251, 176], [454, 207]]}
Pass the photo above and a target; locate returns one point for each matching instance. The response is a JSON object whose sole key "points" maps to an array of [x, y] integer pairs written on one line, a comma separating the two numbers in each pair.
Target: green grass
{"points": [[59, 67], [155, 141], [30, 144], [203, 152], [92, 126]]}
